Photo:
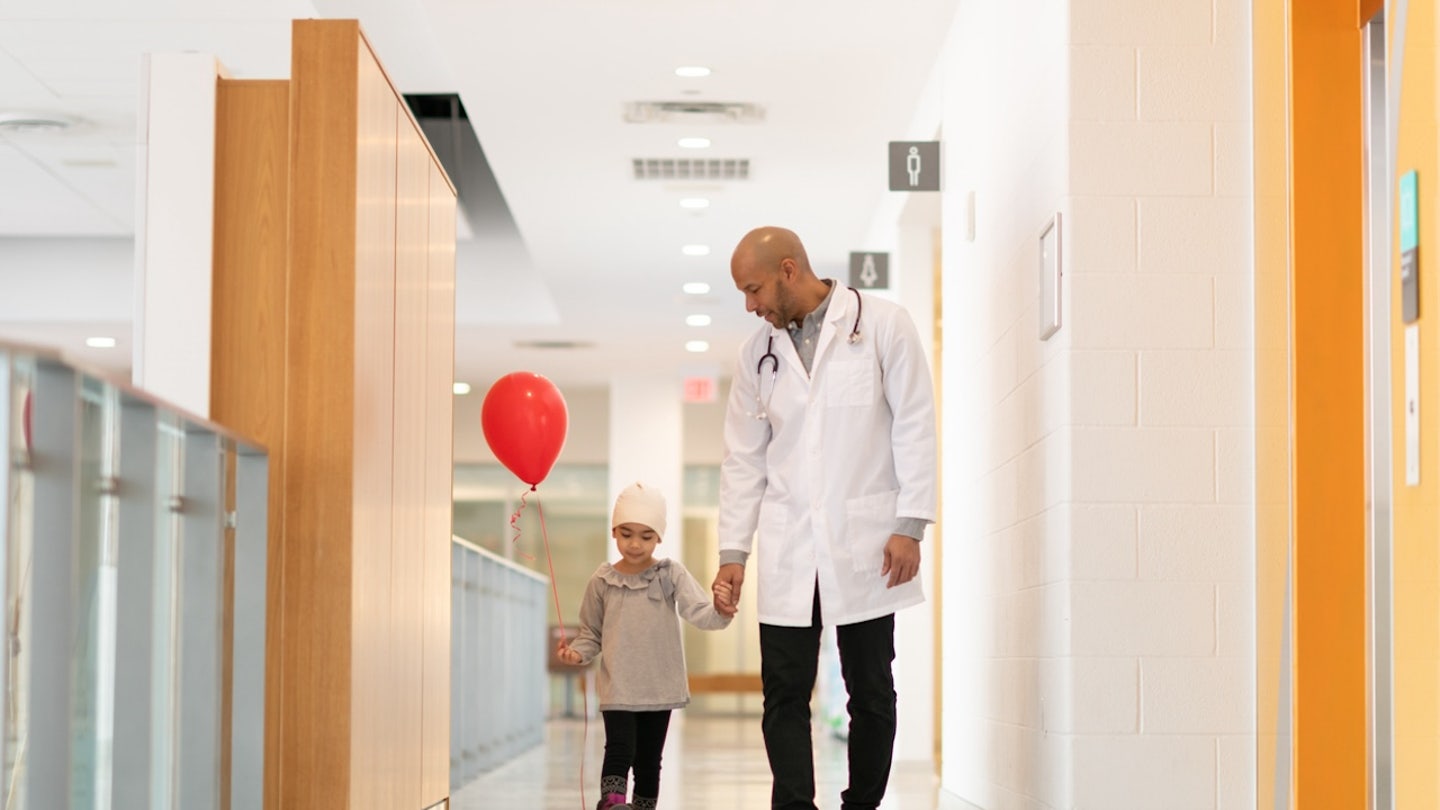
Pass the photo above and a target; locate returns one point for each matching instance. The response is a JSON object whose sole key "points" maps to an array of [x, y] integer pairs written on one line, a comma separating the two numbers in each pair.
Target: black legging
{"points": [[635, 740]]}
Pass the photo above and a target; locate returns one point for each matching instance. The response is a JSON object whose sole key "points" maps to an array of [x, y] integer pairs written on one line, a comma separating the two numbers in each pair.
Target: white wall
{"points": [[97, 275], [905, 227], [1162, 372], [588, 440], [1006, 445], [1098, 525], [646, 434], [174, 228]]}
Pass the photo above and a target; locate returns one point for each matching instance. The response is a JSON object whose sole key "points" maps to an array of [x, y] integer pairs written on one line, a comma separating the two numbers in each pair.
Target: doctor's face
{"points": [[766, 292]]}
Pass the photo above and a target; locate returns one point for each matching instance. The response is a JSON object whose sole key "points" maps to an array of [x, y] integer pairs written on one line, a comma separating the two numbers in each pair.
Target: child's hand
{"points": [[569, 656], [723, 592]]}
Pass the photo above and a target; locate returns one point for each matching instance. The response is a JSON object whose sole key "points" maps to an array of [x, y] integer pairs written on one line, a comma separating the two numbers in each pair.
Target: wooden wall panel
{"points": [[412, 240], [247, 386], [439, 488], [334, 313], [321, 418], [375, 779]]}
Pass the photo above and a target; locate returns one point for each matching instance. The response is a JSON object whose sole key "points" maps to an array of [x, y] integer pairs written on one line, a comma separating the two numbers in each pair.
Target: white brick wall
{"points": [[1008, 443], [1099, 486]]}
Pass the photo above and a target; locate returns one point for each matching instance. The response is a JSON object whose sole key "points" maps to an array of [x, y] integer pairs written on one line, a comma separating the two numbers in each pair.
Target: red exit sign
{"points": [[700, 389]]}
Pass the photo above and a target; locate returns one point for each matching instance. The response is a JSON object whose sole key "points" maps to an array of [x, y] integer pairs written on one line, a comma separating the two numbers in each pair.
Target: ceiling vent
{"points": [[28, 122], [687, 169], [553, 344], [693, 112]]}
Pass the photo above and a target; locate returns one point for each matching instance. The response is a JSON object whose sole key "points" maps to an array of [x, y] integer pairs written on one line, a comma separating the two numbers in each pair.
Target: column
{"points": [[647, 444]]}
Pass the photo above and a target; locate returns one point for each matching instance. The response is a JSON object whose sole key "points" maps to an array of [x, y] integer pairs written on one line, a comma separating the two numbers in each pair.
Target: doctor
{"points": [[830, 468]]}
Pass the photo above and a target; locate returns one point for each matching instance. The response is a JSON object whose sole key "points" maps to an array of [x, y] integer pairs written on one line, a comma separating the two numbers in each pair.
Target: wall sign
{"points": [[1409, 247], [870, 271], [914, 165]]}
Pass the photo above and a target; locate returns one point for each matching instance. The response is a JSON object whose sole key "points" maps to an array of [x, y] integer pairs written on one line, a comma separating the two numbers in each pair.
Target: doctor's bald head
{"points": [[770, 267], [767, 249]]}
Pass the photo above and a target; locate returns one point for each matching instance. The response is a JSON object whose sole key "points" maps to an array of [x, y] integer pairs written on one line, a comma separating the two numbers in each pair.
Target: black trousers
{"points": [[635, 740], [788, 660]]}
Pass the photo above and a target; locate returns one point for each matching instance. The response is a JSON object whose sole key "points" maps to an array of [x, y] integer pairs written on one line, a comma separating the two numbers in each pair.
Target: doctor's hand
{"points": [[902, 559], [726, 588]]}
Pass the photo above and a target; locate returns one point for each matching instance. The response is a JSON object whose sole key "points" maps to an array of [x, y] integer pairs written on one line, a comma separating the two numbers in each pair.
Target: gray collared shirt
{"points": [[807, 333]]}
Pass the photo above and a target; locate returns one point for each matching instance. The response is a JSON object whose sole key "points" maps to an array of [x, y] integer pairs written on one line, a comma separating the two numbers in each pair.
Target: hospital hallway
{"points": [[711, 763]]}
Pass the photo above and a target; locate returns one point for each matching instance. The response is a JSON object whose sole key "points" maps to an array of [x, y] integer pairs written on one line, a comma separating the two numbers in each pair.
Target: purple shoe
{"points": [[612, 801]]}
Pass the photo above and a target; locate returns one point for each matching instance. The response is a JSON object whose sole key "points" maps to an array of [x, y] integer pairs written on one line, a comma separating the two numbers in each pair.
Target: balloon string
{"points": [[514, 518], [560, 622]]}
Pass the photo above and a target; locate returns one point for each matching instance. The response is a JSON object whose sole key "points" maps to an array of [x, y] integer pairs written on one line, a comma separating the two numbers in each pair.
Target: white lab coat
{"points": [[841, 453]]}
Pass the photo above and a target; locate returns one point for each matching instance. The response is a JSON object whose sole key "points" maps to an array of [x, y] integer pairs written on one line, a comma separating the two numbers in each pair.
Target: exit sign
{"points": [[699, 389]]}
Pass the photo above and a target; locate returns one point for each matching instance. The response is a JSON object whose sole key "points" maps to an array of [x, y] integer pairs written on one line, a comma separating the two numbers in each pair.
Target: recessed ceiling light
{"points": [[461, 389], [694, 203], [694, 143], [697, 320], [692, 71], [696, 250], [697, 346], [100, 342], [696, 288]]}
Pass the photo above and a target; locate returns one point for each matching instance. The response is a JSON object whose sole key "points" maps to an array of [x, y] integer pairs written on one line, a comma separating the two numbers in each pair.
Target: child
{"points": [[628, 618]]}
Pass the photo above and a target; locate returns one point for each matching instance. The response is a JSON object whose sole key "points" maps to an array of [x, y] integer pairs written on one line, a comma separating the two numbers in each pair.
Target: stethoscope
{"points": [[763, 405]]}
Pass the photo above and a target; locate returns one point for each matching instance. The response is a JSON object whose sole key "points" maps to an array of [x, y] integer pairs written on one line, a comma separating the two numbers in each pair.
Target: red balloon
{"points": [[525, 419]]}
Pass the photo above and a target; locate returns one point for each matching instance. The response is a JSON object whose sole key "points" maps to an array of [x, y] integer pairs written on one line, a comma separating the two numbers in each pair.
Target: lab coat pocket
{"points": [[850, 383], [771, 536], [869, 522]]}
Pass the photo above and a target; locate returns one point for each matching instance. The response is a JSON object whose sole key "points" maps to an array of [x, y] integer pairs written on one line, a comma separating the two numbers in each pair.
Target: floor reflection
{"points": [[711, 763]]}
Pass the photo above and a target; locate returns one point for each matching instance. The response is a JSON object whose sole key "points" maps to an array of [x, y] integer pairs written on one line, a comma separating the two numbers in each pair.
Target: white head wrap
{"points": [[638, 503]]}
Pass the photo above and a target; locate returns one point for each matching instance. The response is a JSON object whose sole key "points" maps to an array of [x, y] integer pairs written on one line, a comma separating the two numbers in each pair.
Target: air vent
{"points": [[22, 122], [693, 112], [687, 169], [552, 344]]}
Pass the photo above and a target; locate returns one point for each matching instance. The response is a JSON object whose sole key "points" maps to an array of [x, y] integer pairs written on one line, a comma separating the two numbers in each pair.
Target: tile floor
{"points": [[711, 763]]}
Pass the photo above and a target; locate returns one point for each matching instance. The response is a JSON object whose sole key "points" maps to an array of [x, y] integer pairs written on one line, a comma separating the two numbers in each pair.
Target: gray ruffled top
{"points": [[630, 621]]}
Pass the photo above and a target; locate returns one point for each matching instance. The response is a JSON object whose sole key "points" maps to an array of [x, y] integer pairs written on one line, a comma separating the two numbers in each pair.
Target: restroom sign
{"points": [[870, 271], [914, 165]]}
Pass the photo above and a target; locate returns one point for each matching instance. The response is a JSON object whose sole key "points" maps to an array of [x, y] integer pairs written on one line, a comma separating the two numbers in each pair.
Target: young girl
{"points": [[628, 618]]}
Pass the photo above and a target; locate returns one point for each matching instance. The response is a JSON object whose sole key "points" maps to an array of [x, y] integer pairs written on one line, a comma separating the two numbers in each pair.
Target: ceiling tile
{"points": [[35, 202]]}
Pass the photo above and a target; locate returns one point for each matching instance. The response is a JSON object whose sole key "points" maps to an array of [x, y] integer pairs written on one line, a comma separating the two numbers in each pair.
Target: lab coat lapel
{"points": [[841, 301], [785, 350]]}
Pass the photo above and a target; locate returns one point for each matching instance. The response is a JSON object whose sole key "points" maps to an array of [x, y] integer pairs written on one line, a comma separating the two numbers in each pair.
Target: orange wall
{"points": [[1416, 510], [1327, 288], [1272, 394], [1311, 462]]}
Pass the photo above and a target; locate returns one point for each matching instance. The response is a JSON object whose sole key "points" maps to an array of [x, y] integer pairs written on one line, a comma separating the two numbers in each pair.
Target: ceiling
{"points": [[546, 83]]}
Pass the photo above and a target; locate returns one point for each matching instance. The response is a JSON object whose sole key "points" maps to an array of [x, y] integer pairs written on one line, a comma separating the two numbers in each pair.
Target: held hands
{"points": [[902, 559], [569, 656], [723, 593], [726, 588]]}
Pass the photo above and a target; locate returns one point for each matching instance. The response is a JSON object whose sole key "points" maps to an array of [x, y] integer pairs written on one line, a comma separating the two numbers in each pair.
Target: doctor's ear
{"points": [[788, 268]]}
